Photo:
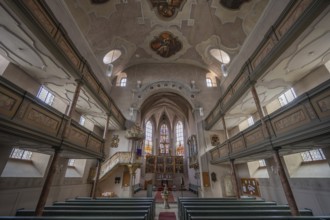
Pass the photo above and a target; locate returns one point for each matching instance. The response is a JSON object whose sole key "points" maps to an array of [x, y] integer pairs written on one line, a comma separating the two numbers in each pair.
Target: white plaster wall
{"points": [[20, 168], [312, 80], [21, 79], [123, 145], [108, 184], [256, 171], [179, 73], [3, 64], [311, 193], [40, 161]]}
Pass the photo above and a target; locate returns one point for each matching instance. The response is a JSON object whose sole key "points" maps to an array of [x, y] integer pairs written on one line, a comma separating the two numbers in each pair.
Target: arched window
{"points": [[208, 82], [123, 82], [148, 139], [164, 143], [179, 139]]}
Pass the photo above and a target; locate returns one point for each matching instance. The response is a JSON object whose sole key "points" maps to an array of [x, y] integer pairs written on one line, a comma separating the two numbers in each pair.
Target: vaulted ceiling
{"points": [[154, 33]]}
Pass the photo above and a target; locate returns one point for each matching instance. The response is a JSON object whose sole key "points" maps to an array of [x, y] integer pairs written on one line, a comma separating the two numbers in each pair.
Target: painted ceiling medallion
{"points": [[167, 8], [166, 44]]}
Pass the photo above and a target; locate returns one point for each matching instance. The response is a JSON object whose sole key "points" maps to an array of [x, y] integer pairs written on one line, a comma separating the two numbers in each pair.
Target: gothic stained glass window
{"points": [[179, 139], [164, 140], [148, 139]]}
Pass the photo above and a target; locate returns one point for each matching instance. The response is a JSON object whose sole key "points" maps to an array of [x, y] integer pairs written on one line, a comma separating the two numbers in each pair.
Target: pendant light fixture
{"points": [[223, 66], [114, 49]]}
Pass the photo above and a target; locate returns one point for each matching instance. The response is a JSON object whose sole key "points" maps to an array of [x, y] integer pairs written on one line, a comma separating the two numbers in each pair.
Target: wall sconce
{"points": [[117, 180]]}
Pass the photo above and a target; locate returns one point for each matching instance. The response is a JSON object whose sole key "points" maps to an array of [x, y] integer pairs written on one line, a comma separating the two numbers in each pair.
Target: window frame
{"points": [[82, 120], [309, 156], [179, 136], [250, 121], [262, 163], [148, 138], [285, 98], [49, 97], [209, 82], [123, 82], [22, 154], [71, 162]]}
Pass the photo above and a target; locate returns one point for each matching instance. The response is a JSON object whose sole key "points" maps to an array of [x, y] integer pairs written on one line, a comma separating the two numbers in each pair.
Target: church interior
{"points": [[121, 99]]}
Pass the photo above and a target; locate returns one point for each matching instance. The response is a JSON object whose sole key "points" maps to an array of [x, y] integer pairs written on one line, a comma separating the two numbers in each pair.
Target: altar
{"points": [[165, 168]]}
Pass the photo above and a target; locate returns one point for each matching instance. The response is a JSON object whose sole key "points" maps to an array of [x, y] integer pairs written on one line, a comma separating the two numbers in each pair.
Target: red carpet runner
{"points": [[159, 199], [166, 216]]}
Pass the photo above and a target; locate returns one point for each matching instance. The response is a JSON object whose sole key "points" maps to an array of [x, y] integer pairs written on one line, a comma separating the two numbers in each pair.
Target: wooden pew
{"points": [[247, 207], [110, 203], [223, 203], [91, 213], [244, 213], [72, 207], [73, 218], [260, 217], [109, 198], [192, 199]]}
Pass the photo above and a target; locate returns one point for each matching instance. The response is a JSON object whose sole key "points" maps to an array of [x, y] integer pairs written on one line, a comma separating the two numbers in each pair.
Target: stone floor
{"points": [[173, 206]]}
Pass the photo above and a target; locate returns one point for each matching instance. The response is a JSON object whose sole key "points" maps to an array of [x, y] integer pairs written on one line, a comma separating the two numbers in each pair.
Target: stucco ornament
{"points": [[114, 141], [135, 133]]}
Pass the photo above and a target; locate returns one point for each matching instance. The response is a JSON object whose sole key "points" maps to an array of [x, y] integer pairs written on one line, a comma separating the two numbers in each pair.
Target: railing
{"points": [[25, 116], [39, 13], [278, 38], [300, 124], [116, 159]]}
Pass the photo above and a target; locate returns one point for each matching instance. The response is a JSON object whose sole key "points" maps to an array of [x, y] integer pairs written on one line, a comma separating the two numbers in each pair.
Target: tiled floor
{"points": [[173, 206]]}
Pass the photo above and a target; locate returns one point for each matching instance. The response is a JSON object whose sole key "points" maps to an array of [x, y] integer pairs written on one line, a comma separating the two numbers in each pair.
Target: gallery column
{"points": [[225, 127], [96, 181], [48, 182], [259, 109], [285, 184], [234, 176], [106, 126], [73, 106]]}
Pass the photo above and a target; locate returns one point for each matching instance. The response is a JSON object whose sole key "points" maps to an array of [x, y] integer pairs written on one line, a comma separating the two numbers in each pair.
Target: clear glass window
{"points": [[250, 121], [208, 82], [313, 155], [123, 82], [287, 97], [82, 120], [262, 163], [46, 96], [71, 162], [20, 154]]}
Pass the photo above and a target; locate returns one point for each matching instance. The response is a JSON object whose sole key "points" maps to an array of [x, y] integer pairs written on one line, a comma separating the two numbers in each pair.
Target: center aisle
{"points": [[173, 206]]}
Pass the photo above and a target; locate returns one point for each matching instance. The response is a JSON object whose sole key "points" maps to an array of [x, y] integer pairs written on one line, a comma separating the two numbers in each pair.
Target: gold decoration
{"points": [[114, 141]]}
